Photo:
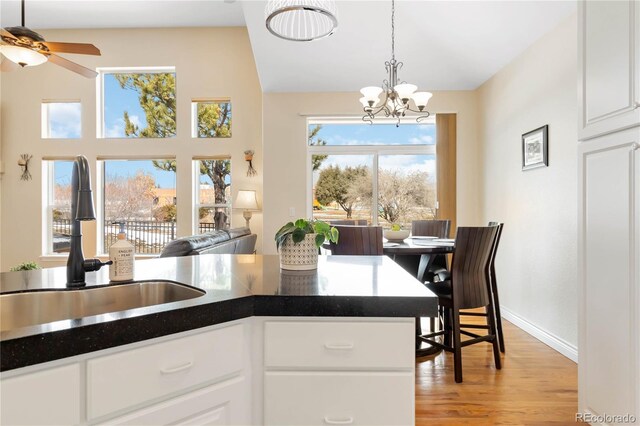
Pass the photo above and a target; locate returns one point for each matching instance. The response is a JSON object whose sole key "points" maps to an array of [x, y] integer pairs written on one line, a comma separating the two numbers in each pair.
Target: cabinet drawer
{"points": [[129, 378], [292, 398], [339, 345], [49, 397], [224, 403]]}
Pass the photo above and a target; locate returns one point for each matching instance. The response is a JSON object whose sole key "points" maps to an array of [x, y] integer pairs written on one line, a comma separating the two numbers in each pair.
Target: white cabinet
{"points": [[609, 274], [48, 397], [339, 372], [609, 61], [609, 208], [200, 378], [128, 378], [220, 404]]}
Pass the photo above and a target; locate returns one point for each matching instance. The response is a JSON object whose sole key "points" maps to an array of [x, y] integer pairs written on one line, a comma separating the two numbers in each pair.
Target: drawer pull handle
{"points": [[177, 369], [339, 346], [345, 421]]}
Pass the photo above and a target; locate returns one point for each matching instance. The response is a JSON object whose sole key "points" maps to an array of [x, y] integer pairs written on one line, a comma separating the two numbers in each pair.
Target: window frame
{"points": [[48, 184], [100, 198], [45, 124], [195, 192], [194, 116], [100, 127], [374, 150]]}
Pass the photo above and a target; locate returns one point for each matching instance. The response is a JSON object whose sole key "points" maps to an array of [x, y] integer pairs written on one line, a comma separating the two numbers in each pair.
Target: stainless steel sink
{"points": [[41, 307]]}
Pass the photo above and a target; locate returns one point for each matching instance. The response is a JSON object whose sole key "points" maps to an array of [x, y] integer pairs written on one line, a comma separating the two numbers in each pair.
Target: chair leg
{"points": [[432, 324], [457, 347], [446, 316], [418, 333], [491, 320], [496, 306]]}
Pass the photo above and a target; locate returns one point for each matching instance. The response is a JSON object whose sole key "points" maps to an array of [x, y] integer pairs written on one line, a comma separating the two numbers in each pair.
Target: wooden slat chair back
{"points": [[469, 287], [431, 228], [470, 266], [354, 222], [358, 240]]}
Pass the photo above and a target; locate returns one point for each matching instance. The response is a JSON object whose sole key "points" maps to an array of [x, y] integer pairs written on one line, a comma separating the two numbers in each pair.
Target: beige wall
{"points": [[536, 264], [215, 62], [284, 133]]}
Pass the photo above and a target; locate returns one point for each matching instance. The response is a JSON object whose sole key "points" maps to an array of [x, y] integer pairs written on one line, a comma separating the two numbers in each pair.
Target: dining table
{"points": [[428, 248]]}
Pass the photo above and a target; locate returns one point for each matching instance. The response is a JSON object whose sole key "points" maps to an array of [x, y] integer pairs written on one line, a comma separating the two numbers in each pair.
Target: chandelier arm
{"points": [[393, 30]]}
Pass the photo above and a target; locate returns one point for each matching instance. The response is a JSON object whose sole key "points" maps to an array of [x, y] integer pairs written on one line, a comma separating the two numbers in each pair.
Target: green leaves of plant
{"points": [[303, 227]]}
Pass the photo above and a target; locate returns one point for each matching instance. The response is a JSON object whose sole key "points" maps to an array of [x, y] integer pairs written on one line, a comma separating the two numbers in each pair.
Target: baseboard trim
{"points": [[560, 345]]}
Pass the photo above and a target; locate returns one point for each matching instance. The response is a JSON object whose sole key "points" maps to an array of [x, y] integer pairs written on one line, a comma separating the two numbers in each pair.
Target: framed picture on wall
{"points": [[535, 152]]}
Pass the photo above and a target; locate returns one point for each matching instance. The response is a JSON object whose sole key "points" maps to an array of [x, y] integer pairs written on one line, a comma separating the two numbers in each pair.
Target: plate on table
{"points": [[390, 244], [444, 240], [422, 237], [432, 243]]}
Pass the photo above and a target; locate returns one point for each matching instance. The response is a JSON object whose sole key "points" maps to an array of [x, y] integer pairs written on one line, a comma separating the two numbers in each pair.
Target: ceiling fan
{"points": [[28, 48]]}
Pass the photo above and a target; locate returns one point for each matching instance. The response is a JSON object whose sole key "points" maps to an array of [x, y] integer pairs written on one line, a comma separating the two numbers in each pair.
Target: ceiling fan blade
{"points": [[72, 66], [79, 48], [5, 33]]}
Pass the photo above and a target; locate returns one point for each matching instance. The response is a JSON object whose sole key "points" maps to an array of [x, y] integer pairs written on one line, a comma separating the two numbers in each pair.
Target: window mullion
{"points": [[374, 198]]}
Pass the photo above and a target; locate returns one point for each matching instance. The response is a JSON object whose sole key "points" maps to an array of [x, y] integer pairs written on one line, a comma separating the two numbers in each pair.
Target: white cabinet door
{"points": [[609, 294], [128, 378], [49, 397], [609, 61], [339, 398], [222, 404]]}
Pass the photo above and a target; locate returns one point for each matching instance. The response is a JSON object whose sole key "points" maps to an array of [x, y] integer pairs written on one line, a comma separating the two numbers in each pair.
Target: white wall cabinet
{"points": [[609, 210], [609, 293], [337, 372], [609, 61]]}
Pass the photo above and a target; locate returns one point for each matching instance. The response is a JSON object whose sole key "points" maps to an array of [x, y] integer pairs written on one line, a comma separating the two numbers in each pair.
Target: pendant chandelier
{"points": [[301, 20], [399, 97]]}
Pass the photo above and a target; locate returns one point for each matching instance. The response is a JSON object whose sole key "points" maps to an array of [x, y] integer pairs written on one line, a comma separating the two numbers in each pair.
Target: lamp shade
{"points": [[405, 90], [301, 20], [23, 56], [246, 199], [421, 98]]}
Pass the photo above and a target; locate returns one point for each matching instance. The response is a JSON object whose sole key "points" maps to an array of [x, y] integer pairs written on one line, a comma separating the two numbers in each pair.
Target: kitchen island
{"points": [[260, 342]]}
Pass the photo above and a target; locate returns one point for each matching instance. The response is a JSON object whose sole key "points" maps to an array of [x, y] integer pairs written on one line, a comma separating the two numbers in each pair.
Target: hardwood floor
{"points": [[536, 385]]}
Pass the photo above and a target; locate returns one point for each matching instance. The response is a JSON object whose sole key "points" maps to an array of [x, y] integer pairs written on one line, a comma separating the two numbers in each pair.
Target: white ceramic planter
{"points": [[302, 256]]}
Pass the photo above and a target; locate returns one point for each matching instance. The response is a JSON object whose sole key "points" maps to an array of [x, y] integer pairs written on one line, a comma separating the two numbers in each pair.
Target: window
{"points": [[137, 103], [382, 173], [142, 194], [61, 120], [211, 119], [212, 194], [57, 202]]}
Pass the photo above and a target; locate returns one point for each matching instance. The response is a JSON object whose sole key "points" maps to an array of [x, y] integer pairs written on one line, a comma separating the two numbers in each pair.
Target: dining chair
{"points": [[468, 288], [431, 228], [358, 222], [358, 240], [495, 298]]}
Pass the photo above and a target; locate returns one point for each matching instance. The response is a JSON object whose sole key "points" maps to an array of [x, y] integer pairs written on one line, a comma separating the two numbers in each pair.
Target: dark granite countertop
{"points": [[236, 287]]}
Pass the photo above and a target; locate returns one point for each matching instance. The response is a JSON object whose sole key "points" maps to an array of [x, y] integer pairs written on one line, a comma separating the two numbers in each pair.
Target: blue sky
{"points": [[65, 120], [116, 102], [113, 168], [377, 134]]}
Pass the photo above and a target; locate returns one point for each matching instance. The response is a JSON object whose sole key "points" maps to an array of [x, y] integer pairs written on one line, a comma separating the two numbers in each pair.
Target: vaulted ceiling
{"points": [[445, 45]]}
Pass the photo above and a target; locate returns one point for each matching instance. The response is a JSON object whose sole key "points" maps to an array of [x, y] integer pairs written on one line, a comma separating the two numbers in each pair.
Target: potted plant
{"points": [[26, 266], [298, 243]]}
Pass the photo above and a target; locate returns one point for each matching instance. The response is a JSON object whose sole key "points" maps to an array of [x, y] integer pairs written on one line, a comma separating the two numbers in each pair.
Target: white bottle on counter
{"points": [[122, 253]]}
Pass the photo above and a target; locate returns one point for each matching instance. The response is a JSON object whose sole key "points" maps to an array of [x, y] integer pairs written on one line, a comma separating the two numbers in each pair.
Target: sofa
{"points": [[227, 241]]}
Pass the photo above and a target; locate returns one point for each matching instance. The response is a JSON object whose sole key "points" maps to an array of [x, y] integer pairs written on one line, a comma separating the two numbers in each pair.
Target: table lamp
{"points": [[246, 199]]}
